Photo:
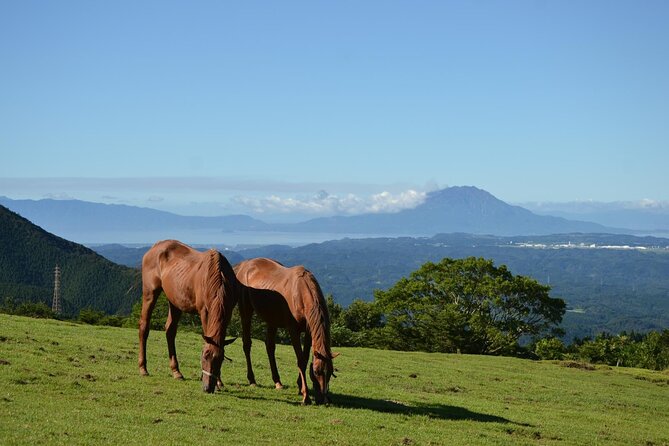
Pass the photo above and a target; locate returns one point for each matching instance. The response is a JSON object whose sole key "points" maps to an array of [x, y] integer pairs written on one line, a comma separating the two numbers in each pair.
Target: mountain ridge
{"points": [[454, 209]]}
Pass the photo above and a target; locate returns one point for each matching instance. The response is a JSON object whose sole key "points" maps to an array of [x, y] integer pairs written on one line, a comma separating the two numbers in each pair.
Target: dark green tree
{"points": [[361, 316], [550, 348], [188, 321], [335, 310], [653, 351], [466, 305], [90, 315]]}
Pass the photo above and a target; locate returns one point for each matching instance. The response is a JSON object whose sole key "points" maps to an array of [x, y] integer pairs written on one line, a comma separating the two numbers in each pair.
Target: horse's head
{"points": [[320, 371], [213, 354]]}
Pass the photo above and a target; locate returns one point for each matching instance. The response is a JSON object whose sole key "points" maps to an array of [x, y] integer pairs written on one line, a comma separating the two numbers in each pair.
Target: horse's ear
{"points": [[334, 355], [229, 341], [210, 340]]}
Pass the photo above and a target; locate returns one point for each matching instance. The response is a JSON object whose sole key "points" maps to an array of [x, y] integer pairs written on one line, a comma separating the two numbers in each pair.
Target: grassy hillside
{"points": [[28, 256], [68, 384]]}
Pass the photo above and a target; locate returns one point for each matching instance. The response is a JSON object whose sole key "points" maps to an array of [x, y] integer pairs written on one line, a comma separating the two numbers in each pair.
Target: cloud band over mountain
{"points": [[324, 203]]}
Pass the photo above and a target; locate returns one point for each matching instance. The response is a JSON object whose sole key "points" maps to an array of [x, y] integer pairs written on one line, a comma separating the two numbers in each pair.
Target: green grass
{"points": [[62, 383]]}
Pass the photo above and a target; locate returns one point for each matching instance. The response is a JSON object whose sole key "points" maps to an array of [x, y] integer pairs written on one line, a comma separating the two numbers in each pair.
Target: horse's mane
{"points": [[318, 318], [217, 284]]}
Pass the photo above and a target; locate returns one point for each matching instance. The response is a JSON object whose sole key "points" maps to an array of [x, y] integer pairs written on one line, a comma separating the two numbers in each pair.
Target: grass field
{"points": [[62, 383]]}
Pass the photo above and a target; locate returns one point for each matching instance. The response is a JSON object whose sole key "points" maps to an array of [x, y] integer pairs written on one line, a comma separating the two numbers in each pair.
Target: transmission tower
{"points": [[56, 306]]}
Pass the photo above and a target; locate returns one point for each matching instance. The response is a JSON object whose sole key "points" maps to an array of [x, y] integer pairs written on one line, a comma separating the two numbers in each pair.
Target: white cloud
{"points": [[155, 199], [324, 203], [651, 204], [58, 196]]}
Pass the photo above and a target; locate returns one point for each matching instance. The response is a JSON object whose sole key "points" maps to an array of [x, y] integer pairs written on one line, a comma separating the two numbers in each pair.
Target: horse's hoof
{"points": [[252, 384], [278, 386], [178, 375], [143, 372], [306, 402]]}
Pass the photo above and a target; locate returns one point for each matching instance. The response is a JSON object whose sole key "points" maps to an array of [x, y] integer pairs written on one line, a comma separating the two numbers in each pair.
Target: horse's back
{"points": [[293, 283], [264, 273], [162, 257]]}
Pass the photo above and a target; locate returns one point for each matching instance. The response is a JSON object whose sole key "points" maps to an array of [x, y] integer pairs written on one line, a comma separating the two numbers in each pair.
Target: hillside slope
{"points": [[69, 384], [29, 254]]}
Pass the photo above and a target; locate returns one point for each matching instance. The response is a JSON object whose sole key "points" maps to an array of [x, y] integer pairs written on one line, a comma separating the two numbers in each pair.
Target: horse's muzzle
{"points": [[209, 381]]}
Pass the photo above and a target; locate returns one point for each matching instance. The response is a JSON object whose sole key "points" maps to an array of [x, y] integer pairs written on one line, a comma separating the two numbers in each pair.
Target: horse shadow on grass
{"points": [[436, 411]]}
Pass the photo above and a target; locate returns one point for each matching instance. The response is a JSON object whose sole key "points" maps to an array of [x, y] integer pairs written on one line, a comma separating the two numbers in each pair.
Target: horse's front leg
{"points": [[301, 364], [305, 355], [149, 298], [170, 333], [270, 346]]}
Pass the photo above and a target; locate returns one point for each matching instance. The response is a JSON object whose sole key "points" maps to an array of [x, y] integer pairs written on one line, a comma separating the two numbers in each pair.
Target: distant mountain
{"points": [[29, 254], [455, 209], [96, 223]]}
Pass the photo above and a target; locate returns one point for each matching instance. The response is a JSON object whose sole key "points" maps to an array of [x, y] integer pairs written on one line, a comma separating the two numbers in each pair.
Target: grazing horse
{"points": [[289, 298], [194, 282]]}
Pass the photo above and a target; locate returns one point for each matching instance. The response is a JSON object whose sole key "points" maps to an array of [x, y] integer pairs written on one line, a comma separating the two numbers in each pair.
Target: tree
{"points": [[91, 316], [190, 322], [653, 352], [466, 305], [340, 334], [34, 309], [361, 315], [550, 348]]}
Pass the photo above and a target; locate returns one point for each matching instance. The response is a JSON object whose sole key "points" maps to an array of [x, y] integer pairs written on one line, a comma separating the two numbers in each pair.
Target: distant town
{"points": [[570, 245]]}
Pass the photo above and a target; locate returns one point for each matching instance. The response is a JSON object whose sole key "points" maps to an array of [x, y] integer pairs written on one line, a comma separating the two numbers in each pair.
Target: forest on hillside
{"points": [[606, 289], [28, 259]]}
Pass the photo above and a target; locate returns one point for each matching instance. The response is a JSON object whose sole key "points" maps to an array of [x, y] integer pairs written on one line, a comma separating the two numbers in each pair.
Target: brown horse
{"points": [[194, 282], [288, 298]]}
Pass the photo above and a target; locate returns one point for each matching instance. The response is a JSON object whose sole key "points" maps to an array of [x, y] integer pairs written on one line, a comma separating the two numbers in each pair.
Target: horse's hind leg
{"points": [[245, 314], [170, 333], [149, 297], [270, 345]]}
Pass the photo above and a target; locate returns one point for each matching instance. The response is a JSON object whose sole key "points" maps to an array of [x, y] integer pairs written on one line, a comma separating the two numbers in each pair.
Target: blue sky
{"points": [[218, 107]]}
